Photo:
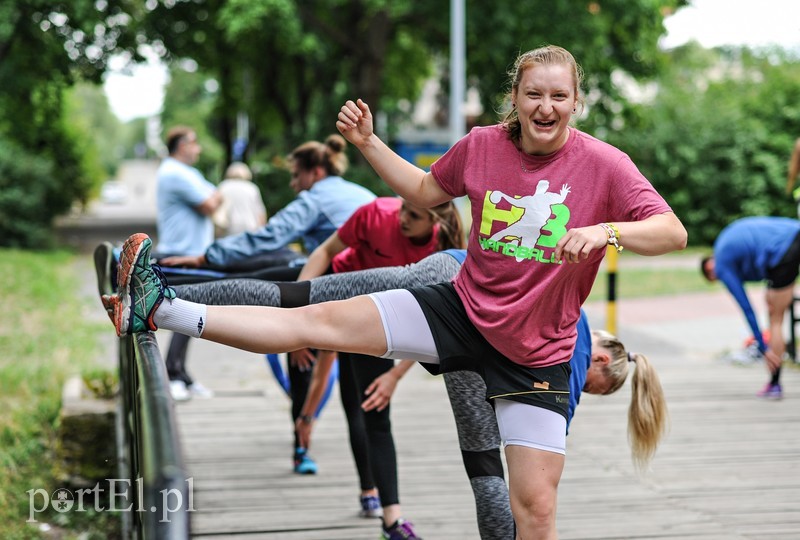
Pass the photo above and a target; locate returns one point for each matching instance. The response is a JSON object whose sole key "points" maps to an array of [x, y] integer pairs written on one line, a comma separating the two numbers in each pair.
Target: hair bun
{"points": [[337, 143]]}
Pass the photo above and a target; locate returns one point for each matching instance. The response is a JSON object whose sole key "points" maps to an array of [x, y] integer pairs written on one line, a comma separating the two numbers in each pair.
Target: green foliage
{"points": [[103, 383], [133, 140], [190, 102], [603, 36], [290, 65], [43, 170], [43, 340], [47, 154], [87, 107], [25, 180], [716, 140]]}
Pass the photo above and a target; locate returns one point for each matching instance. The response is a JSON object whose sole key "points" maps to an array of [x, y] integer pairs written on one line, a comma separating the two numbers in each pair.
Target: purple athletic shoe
{"points": [[771, 391], [401, 530]]}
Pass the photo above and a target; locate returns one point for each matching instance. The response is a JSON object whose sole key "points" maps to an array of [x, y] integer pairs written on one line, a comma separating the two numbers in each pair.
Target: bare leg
{"points": [[352, 325], [533, 484], [778, 301]]}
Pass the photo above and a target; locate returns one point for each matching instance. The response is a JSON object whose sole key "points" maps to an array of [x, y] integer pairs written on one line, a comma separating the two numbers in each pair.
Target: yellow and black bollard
{"points": [[611, 308]]}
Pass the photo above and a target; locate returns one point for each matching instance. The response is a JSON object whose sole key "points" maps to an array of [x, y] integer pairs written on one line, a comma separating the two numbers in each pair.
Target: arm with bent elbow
{"points": [[655, 235], [406, 179], [321, 258], [210, 205]]}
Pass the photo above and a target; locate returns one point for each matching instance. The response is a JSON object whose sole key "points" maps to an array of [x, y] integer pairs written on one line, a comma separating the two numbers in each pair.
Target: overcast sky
{"points": [[710, 22]]}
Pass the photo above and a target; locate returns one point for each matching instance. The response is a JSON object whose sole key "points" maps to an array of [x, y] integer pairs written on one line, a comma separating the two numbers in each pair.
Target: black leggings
{"points": [[370, 432]]}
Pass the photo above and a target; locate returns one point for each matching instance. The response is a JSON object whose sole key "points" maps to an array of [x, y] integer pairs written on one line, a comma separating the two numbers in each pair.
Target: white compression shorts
{"points": [[408, 337], [525, 425]]}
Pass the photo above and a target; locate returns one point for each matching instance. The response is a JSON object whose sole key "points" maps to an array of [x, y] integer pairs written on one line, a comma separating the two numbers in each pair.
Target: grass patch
{"points": [[45, 337], [641, 277], [645, 282]]}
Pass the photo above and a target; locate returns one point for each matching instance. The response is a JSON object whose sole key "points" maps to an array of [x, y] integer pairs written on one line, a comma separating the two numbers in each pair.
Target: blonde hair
{"points": [[328, 155], [648, 416], [238, 170], [543, 56]]}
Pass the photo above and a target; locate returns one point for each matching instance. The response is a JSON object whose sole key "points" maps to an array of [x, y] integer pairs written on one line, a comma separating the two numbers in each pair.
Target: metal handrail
{"points": [[159, 494]]}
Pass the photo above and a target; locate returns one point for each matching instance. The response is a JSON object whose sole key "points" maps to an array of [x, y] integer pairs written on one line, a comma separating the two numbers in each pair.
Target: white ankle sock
{"points": [[181, 316]]}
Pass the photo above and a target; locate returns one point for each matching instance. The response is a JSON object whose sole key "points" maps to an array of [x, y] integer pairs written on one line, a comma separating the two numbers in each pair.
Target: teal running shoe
{"points": [[141, 288]]}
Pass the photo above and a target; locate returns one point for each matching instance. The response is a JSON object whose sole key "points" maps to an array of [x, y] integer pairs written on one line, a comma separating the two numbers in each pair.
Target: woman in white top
{"points": [[242, 208]]}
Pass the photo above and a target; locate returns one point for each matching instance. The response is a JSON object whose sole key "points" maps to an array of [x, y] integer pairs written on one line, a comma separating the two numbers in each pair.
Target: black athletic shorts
{"points": [[786, 271], [461, 347]]}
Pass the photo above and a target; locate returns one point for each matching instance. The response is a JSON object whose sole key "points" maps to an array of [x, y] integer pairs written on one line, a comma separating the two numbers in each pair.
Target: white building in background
{"points": [[427, 136]]}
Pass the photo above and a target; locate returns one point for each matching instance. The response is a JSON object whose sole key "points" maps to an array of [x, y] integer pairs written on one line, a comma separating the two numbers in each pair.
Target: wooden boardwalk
{"points": [[729, 468]]}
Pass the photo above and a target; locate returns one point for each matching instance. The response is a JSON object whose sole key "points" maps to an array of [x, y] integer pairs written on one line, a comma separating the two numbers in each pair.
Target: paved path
{"points": [[115, 222]]}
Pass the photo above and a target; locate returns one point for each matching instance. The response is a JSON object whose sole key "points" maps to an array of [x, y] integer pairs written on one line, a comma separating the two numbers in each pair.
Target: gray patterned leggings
{"points": [[475, 421]]}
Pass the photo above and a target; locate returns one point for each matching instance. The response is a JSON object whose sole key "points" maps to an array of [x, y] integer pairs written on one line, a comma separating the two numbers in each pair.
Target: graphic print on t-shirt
{"points": [[532, 225]]}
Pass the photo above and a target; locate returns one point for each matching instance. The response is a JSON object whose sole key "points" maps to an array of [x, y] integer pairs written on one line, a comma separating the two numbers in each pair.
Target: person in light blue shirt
{"points": [[185, 199], [185, 202], [324, 202], [754, 249]]}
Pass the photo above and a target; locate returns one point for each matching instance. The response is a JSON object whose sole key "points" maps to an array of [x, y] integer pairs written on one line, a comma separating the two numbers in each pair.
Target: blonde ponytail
{"points": [[648, 417]]}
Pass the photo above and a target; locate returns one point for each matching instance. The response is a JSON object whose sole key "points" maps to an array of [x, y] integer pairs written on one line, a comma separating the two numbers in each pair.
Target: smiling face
{"points": [[545, 99]]}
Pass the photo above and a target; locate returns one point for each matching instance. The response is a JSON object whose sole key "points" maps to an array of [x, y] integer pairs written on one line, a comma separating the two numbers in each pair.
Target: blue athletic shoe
{"points": [[303, 464], [370, 506]]}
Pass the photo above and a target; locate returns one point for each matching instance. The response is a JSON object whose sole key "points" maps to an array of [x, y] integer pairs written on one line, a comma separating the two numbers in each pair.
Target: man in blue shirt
{"points": [[760, 249], [185, 201]]}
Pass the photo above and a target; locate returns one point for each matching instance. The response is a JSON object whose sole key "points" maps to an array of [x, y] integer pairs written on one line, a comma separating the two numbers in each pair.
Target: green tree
{"points": [[605, 37], [290, 65], [190, 99], [45, 47], [716, 139], [87, 106]]}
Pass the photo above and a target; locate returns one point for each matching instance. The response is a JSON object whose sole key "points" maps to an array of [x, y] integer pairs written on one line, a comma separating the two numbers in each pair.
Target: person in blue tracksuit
{"points": [[755, 249]]}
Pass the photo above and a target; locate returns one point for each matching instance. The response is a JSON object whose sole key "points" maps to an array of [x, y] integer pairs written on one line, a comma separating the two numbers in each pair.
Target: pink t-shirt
{"points": [[373, 237], [523, 302]]}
